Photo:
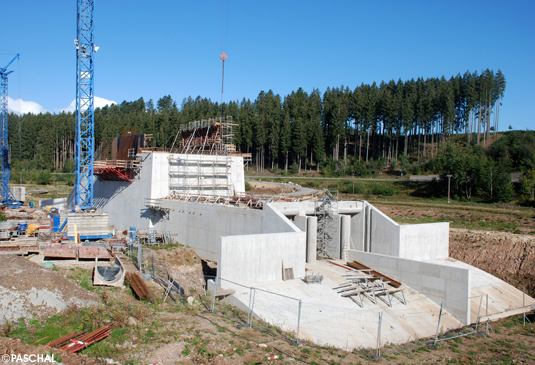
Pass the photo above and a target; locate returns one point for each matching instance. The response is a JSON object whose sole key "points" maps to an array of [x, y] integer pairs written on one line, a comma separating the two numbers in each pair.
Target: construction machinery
{"points": [[85, 137], [6, 194]]}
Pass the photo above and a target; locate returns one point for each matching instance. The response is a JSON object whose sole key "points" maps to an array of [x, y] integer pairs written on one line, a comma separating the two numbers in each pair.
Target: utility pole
{"points": [[449, 181]]}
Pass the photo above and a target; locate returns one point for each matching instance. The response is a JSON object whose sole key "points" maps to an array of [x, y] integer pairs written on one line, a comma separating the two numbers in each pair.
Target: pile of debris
{"points": [[28, 291]]}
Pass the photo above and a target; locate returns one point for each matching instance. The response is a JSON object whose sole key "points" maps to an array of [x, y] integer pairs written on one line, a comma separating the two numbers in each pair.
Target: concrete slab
{"points": [[502, 296], [327, 318]]}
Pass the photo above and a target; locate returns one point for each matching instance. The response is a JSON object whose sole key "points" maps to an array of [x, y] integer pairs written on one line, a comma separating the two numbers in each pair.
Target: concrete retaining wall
{"points": [[195, 224], [432, 238], [373, 231], [59, 203], [439, 283], [258, 258]]}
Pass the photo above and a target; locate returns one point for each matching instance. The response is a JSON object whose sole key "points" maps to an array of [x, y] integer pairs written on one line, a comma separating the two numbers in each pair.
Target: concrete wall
{"points": [[195, 224], [373, 231], [200, 225], [124, 200], [59, 203], [258, 258], [384, 237], [439, 283], [424, 241]]}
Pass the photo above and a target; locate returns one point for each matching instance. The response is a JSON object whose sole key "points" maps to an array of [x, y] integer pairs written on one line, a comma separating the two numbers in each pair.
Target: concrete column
{"points": [[312, 239], [345, 233], [300, 221]]}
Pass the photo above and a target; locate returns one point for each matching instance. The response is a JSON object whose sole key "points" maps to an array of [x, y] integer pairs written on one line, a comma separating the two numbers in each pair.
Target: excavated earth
{"points": [[509, 256], [28, 291]]}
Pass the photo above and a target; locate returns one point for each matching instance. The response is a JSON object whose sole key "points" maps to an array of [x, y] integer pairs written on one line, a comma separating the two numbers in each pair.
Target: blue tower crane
{"points": [[6, 195], [85, 137]]}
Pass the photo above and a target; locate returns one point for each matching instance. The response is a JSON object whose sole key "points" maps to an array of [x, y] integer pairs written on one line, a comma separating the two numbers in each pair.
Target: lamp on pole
{"points": [[449, 180]]}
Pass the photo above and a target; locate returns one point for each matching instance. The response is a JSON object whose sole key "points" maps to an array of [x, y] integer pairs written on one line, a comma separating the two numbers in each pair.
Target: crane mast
{"points": [[85, 138], [6, 195]]}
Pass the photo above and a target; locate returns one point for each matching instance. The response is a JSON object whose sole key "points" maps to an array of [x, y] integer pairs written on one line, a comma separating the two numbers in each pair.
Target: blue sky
{"points": [[151, 49]]}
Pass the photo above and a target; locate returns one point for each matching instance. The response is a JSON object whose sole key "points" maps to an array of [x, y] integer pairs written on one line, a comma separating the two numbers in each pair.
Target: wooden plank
{"points": [[359, 266]]}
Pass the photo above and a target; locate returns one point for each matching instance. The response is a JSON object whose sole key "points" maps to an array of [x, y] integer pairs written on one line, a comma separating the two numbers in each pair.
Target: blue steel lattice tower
{"points": [[85, 138], [7, 196]]}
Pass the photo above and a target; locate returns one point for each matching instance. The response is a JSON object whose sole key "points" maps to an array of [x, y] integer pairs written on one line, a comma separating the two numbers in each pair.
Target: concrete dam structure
{"points": [[200, 201]]}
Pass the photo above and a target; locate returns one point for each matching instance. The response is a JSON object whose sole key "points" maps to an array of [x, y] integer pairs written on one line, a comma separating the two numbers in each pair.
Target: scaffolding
{"points": [[325, 210], [200, 175]]}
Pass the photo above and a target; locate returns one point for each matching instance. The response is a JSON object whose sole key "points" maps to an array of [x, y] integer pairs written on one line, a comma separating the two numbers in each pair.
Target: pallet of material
{"points": [[19, 249], [92, 252], [359, 266], [60, 251]]}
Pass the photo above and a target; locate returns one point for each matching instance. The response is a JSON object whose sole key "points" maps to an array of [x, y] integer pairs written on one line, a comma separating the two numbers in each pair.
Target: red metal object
{"points": [[92, 252], [19, 248], [345, 267], [61, 251], [86, 340]]}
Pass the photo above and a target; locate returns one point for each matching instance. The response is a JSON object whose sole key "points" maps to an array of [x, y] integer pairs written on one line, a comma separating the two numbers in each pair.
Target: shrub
{"points": [[294, 169], [248, 186], [43, 177], [383, 190]]}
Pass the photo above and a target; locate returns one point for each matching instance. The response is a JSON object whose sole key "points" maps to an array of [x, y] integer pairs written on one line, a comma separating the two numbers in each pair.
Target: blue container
{"points": [[55, 223], [133, 234], [23, 227], [31, 204]]}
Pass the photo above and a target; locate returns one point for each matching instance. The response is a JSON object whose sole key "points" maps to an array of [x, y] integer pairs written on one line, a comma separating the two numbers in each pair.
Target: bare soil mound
{"points": [[509, 256], [28, 290], [183, 264]]}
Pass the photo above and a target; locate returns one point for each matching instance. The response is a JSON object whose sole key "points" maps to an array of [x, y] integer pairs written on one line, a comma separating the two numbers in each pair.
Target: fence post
{"points": [[139, 256], [523, 305], [487, 314], [179, 288], [478, 313], [152, 263], [251, 307], [213, 298], [439, 319], [379, 335], [298, 323]]}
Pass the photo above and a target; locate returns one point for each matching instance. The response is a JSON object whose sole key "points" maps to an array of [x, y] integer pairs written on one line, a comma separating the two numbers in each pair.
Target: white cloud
{"points": [[99, 103], [20, 107]]}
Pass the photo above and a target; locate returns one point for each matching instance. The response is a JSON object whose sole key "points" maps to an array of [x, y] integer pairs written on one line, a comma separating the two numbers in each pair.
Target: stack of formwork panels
{"points": [[88, 224], [19, 193]]}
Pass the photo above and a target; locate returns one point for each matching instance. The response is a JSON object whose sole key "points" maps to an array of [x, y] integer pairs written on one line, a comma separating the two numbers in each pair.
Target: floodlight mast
{"points": [[6, 195], [85, 137]]}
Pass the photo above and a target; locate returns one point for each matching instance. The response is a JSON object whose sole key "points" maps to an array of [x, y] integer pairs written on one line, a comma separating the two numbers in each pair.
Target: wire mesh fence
{"points": [[344, 328]]}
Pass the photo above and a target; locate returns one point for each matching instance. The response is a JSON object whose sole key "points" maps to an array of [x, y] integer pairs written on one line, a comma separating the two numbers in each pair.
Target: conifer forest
{"points": [[411, 126]]}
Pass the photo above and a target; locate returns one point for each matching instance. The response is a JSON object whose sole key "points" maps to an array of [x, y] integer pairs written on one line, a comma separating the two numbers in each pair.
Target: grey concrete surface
{"points": [[259, 258], [438, 282]]}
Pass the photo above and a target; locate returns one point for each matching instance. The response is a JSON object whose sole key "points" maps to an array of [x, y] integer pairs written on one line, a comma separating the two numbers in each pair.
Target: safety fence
{"points": [[480, 324], [299, 320]]}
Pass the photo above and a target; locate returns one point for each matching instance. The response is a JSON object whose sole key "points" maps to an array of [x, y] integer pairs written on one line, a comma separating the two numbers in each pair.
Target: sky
{"points": [[172, 47]]}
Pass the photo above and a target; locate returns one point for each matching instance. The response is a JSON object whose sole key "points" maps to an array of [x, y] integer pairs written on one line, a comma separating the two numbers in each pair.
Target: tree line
{"points": [[377, 122]]}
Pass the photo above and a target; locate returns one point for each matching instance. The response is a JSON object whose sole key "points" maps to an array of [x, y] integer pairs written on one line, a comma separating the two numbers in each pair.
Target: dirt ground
{"points": [[506, 218], [265, 188], [30, 291], [500, 241], [13, 346], [182, 333], [509, 256]]}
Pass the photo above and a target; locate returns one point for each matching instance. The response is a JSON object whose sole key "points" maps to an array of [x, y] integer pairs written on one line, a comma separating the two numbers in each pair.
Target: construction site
{"points": [[176, 228]]}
